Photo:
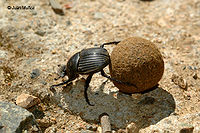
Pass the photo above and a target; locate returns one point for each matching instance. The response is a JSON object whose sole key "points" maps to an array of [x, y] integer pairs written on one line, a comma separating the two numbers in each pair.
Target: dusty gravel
{"points": [[34, 42]]}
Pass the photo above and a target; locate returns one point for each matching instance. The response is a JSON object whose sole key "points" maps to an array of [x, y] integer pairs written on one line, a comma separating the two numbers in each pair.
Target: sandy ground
{"points": [[38, 39]]}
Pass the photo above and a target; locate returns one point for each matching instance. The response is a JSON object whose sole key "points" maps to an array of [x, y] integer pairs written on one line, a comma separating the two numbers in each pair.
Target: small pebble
{"points": [[25, 131], [35, 128], [68, 6], [184, 67], [187, 96], [195, 76], [136, 96], [187, 130], [57, 8], [44, 123], [99, 129], [178, 80], [132, 128], [190, 67], [43, 82], [86, 131], [35, 73], [121, 131], [162, 22], [27, 101], [98, 15], [68, 23], [53, 52], [53, 130], [91, 127], [3, 54], [40, 33], [34, 12]]}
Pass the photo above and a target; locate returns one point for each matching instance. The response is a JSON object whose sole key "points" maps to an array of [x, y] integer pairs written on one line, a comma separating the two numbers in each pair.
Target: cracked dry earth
{"points": [[34, 42]]}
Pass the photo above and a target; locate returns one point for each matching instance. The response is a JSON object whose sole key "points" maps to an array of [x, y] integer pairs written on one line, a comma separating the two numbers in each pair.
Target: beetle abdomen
{"points": [[93, 60]]}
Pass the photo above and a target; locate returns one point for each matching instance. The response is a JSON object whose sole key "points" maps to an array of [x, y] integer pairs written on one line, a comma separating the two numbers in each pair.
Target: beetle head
{"points": [[61, 71]]}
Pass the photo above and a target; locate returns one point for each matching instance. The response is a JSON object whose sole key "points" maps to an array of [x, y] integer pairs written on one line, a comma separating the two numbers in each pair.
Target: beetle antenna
{"points": [[115, 42]]}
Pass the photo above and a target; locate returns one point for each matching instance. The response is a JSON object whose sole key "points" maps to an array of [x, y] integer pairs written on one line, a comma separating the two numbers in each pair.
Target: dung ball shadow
{"points": [[123, 109]]}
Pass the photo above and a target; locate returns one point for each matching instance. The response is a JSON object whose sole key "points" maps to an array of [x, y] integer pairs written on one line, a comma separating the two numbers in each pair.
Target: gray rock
{"points": [[35, 73], [15, 119], [176, 124], [40, 33], [68, 23]]}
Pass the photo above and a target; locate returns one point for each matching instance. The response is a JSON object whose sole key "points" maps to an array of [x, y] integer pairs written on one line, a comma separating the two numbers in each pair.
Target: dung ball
{"points": [[137, 61]]}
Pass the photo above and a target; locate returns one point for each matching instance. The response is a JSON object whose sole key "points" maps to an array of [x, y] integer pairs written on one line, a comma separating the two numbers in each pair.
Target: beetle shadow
{"points": [[122, 109]]}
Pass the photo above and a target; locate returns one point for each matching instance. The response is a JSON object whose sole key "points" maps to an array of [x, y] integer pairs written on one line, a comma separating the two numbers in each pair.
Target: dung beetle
{"points": [[87, 62]]}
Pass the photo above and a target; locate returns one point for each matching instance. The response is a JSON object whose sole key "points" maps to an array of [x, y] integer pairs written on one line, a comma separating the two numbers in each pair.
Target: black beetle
{"points": [[87, 62]]}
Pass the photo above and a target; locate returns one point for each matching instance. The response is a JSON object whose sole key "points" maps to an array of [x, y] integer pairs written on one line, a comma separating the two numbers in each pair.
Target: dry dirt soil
{"points": [[34, 42]]}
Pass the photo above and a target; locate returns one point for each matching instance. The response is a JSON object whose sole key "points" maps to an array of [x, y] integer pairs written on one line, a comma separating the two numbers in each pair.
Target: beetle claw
{"points": [[57, 78], [52, 89], [91, 104]]}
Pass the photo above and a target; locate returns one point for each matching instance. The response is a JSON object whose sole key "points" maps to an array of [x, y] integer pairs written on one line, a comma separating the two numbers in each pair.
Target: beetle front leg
{"points": [[118, 81], [65, 82], [115, 42], [87, 82]]}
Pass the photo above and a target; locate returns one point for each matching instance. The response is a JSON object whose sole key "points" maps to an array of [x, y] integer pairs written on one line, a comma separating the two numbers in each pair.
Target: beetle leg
{"points": [[65, 82], [115, 42], [57, 78], [113, 79], [87, 82]]}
